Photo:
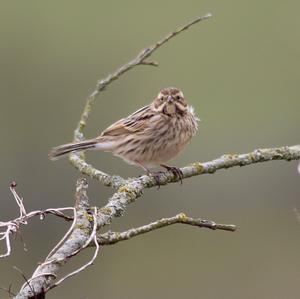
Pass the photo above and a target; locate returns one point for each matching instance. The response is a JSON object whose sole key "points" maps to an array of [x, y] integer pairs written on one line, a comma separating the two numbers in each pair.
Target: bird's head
{"points": [[170, 101]]}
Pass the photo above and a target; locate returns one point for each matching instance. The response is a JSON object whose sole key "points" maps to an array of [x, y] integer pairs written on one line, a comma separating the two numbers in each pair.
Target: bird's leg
{"points": [[175, 170]]}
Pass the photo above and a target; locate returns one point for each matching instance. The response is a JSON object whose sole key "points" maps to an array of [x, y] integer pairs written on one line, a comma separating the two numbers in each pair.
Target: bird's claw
{"points": [[175, 170], [156, 177]]}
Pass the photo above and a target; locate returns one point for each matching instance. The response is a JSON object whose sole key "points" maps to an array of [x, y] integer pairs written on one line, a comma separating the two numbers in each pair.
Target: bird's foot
{"points": [[175, 170], [156, 176]]}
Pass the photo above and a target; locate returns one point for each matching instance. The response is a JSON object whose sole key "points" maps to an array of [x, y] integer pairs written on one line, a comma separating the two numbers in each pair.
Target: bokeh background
{"points": [[240, 70]]}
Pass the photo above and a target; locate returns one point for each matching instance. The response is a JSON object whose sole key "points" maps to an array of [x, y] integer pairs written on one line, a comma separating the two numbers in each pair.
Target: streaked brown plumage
{"points": [[149, 137]]}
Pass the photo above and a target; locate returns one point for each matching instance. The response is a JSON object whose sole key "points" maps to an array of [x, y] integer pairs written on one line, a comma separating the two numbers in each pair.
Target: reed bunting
{"points": [[149, 137]]}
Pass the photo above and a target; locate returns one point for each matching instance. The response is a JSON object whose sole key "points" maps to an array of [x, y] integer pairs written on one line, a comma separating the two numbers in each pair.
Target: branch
{"points": [[132, 188], [115, 237], [284, 153], [78, 160]]}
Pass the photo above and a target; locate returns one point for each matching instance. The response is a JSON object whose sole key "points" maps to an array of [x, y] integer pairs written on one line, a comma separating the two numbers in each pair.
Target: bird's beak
{"points": [[169, 99]]}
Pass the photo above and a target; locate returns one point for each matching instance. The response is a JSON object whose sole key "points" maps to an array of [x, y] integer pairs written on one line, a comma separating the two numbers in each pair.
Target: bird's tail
{"points": [[62, 150]]}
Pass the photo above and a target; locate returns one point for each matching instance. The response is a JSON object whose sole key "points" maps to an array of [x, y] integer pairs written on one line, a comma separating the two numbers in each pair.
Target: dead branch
{"points": [[13, 226]]}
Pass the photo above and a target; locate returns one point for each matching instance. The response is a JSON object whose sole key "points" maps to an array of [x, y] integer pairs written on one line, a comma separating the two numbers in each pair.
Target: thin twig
{"points": [[114, 237], [13, 226]]}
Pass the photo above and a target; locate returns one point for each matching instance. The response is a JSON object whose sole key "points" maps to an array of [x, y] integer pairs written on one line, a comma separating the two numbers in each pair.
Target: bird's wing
{"points": [[136, 122]]}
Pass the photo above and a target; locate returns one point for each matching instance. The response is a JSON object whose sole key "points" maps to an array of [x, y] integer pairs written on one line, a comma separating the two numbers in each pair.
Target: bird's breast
{"points": [[163, 140]]}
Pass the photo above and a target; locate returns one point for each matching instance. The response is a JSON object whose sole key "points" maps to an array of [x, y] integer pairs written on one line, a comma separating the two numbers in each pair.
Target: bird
{"points": [[150, 137]]}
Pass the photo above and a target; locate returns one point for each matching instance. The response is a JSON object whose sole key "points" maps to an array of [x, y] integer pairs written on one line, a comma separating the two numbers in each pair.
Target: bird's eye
{"points": [[178, 97], [162, 98]]}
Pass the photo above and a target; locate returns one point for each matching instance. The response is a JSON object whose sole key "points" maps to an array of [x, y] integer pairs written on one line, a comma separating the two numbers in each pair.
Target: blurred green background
{"points": [[240, 70]]}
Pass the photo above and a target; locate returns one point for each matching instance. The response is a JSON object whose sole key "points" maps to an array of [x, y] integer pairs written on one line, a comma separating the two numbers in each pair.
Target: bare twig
{"points": [[114, 237], [13, 226]]}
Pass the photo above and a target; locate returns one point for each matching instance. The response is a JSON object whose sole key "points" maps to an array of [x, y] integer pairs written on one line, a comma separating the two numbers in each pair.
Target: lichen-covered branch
{"points": [[284, 153], [110, 237], [79, 163]]}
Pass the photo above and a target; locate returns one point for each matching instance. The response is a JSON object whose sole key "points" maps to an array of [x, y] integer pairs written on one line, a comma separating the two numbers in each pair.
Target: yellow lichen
{"points": [[130, 192], [182, 217], [198, 166], [90, 218], [83, 227]]}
